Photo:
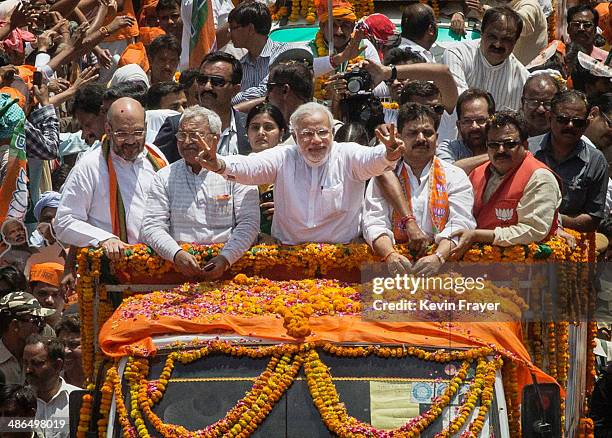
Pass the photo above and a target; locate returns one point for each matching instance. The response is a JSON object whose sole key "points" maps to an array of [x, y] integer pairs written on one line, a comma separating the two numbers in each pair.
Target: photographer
{"points": [[354, 101]]}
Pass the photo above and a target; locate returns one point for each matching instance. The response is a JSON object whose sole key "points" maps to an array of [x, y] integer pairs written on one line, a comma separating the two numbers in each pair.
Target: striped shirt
{"points": [[202, 208], [471, 70], [255, 73]]}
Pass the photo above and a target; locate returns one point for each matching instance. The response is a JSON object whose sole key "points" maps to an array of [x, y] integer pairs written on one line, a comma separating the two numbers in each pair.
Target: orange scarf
{"points": [[117, 209], [438, 200]]}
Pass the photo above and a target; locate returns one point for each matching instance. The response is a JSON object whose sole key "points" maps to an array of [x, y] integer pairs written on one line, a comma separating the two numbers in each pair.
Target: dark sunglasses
{"points": [[508, 144], [215, 81], [576, 121]]}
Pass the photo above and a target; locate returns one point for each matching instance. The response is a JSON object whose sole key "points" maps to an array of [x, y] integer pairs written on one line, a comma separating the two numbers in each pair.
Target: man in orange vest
{"points": [[516, 196]]}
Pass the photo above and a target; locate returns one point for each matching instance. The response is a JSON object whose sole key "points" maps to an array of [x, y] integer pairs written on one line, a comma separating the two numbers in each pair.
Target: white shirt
{"points": [[322, 66], [313, 204], [56, 409], [228, 141], [416, 48], [377, 211], [471, 70], [203, 208], [83, 216]]}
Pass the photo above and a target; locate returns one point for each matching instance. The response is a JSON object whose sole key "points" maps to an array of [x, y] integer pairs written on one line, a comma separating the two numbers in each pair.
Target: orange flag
{"points": [[203, 38]]}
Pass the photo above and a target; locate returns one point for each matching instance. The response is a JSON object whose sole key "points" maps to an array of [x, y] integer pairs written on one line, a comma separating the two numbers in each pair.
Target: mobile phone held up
{"points": [[37, 78]]}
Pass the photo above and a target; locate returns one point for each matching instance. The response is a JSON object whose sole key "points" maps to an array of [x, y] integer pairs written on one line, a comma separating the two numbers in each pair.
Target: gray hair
{"points": [[308, 109], [199, 112]]}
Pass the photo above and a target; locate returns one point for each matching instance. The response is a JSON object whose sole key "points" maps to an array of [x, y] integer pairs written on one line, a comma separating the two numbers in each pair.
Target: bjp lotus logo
{"points": [[504, 214]]}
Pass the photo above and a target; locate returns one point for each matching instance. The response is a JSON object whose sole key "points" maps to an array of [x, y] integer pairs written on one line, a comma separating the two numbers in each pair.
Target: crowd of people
{"points": [[389, 137]]}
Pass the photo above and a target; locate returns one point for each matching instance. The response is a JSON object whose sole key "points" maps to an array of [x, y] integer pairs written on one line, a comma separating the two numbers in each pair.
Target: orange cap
{"points": [[50, 273], [135, 53], [341, 10]]}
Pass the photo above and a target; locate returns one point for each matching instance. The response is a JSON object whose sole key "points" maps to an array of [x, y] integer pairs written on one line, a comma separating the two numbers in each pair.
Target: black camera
{"points": [[358, 81]]}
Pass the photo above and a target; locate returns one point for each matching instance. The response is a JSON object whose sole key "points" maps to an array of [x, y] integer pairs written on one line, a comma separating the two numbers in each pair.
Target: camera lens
{"points": [[354, 85]]}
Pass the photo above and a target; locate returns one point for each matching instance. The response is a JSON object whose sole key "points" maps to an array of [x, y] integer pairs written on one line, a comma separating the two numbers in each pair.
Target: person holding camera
{"points": [[318, 183]]}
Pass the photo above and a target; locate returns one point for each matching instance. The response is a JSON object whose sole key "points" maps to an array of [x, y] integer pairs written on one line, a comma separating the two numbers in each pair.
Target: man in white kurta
{"points": [[190, 204], [422, 175], [84, 215], [488, 63], [318, 183]]}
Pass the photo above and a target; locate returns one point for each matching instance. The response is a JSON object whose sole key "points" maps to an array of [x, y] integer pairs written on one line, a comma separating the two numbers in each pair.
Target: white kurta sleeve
{"points": [[254, 169], [156, 222], [376, 214], [452, 58], [535, 211], [366, 162], [71, 221], [460, 203], [246, 210]]}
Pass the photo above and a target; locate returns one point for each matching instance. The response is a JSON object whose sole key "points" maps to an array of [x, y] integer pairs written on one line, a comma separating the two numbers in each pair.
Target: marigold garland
{"points": [[314, 260], [268, 388]]}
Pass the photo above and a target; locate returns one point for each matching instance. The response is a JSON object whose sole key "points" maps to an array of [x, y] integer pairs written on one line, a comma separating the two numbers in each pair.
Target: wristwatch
{"points": [[393, 73]]}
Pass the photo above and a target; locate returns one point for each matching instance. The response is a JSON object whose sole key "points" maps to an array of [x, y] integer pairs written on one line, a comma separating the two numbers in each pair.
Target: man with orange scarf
{"points": [[516, 195], [439, 194], [347, 45], [104, 197]]}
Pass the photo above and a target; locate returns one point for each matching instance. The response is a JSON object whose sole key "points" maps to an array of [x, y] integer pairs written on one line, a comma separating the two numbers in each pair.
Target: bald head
{"points": [[125, 106], [540, 83], [125, 127]]}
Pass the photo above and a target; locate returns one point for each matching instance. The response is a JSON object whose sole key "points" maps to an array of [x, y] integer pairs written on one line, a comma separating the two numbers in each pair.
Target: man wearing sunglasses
{"points": [[21, 315], [582, 22], [582, 169], [216, 84], [516, 197]]}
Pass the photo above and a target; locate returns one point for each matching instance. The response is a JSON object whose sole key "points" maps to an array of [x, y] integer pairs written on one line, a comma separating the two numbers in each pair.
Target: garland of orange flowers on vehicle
{"points": [[510, 384], [315, 259], [286, 360], [89, 265], [309, 260]]}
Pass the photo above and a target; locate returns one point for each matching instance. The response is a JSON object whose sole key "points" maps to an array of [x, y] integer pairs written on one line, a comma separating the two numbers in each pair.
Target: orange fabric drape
{"points": [[122, 337]]}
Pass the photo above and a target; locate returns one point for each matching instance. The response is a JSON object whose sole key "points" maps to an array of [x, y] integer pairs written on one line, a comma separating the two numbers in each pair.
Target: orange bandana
{"points": [[341, 10], [438, 200], [117, 209]]}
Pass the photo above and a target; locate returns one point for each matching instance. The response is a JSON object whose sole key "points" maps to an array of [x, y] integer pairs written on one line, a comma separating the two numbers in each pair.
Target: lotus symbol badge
{"points": [[504, 214]]}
